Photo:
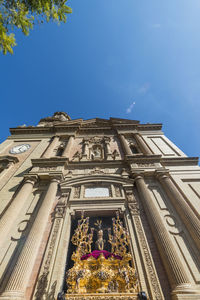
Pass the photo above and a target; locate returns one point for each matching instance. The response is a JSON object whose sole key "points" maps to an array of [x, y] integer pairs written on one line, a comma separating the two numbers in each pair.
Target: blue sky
{"points": [[128, 59]]}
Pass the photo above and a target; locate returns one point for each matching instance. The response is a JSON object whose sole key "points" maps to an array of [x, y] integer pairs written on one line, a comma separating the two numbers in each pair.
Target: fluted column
{"points": [[15, 207], [185, 212], [176, 273], [145, 149], [49, 151], [125, 146], [17, 283], [68, 146]]}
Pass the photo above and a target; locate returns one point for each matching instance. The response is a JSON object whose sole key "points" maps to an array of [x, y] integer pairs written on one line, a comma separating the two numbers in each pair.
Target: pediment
{"points": [[123, 121], [96, 123]]}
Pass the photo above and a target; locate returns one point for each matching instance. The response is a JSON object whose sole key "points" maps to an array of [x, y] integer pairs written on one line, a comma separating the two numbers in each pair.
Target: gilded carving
{"points": [[101, 297], [101, 271]]}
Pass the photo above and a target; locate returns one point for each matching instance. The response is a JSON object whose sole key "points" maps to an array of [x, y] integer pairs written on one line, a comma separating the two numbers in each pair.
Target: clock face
{"points": [[19, 149]]}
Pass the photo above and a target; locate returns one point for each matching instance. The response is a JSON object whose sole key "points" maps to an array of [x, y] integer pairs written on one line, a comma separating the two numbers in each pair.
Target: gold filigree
{"points": [[120, 239], [82, 239], [101, 271]]}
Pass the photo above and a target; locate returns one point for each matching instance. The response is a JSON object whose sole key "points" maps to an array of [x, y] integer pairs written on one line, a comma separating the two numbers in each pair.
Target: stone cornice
{"points": [[141, 158], [180, 161], [53, 161], [85, 126], [9, 159], [48, 175], [95, 163]]}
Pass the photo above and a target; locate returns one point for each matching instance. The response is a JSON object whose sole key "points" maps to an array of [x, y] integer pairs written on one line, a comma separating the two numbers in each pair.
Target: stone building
{"points": [[61, 173]]}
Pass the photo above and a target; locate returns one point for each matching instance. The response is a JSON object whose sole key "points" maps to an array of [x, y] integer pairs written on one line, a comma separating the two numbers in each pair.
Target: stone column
{"points": [[15, 207], [143, 146], [49, 151], [189, 218], [16, 286], [85, 149], [68, 146], [125, 146], [107, 148], [176, 273]]}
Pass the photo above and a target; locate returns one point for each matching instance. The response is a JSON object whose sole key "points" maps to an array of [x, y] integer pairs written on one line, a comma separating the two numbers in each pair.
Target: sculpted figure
{"points": [[99, 244]]}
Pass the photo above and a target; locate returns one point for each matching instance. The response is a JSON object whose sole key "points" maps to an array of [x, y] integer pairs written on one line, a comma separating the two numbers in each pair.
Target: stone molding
{"points": [[42, 288], [135, 212]]}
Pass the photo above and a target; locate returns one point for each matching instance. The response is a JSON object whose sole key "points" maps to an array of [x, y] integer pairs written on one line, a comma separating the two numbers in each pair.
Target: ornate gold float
{"points": [[97, 273]]}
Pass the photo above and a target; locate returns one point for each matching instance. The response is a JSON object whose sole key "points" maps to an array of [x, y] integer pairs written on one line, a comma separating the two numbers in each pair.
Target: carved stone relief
{"points": [[132, 202], [47, 168], [41, 288], [97, 170], [135, 211], [77, 191], [145, 165], [148, 261], [117, 191]]}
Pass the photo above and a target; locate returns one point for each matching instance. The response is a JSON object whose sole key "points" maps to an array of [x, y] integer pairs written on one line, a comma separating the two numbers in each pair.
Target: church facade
{"points": [[97, 209]]}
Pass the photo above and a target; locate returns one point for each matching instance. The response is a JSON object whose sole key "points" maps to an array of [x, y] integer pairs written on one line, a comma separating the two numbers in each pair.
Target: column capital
{"points": [[31, 179], [55, 177], [162, 174], [137, 175]]}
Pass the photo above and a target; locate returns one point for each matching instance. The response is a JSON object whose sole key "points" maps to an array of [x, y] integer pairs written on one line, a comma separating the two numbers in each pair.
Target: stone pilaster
{"points": [[68, 147], [107, 148], [177, 275], [15, 207], [145, 149], [46, 286], [17, 283], [189, 218], [154, 285], [125, 146], [85, 149], [49, 151]]}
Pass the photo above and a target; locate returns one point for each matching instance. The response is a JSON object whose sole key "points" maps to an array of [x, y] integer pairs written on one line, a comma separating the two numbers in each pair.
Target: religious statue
{"points": [[101, 271], [99, 244]]}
